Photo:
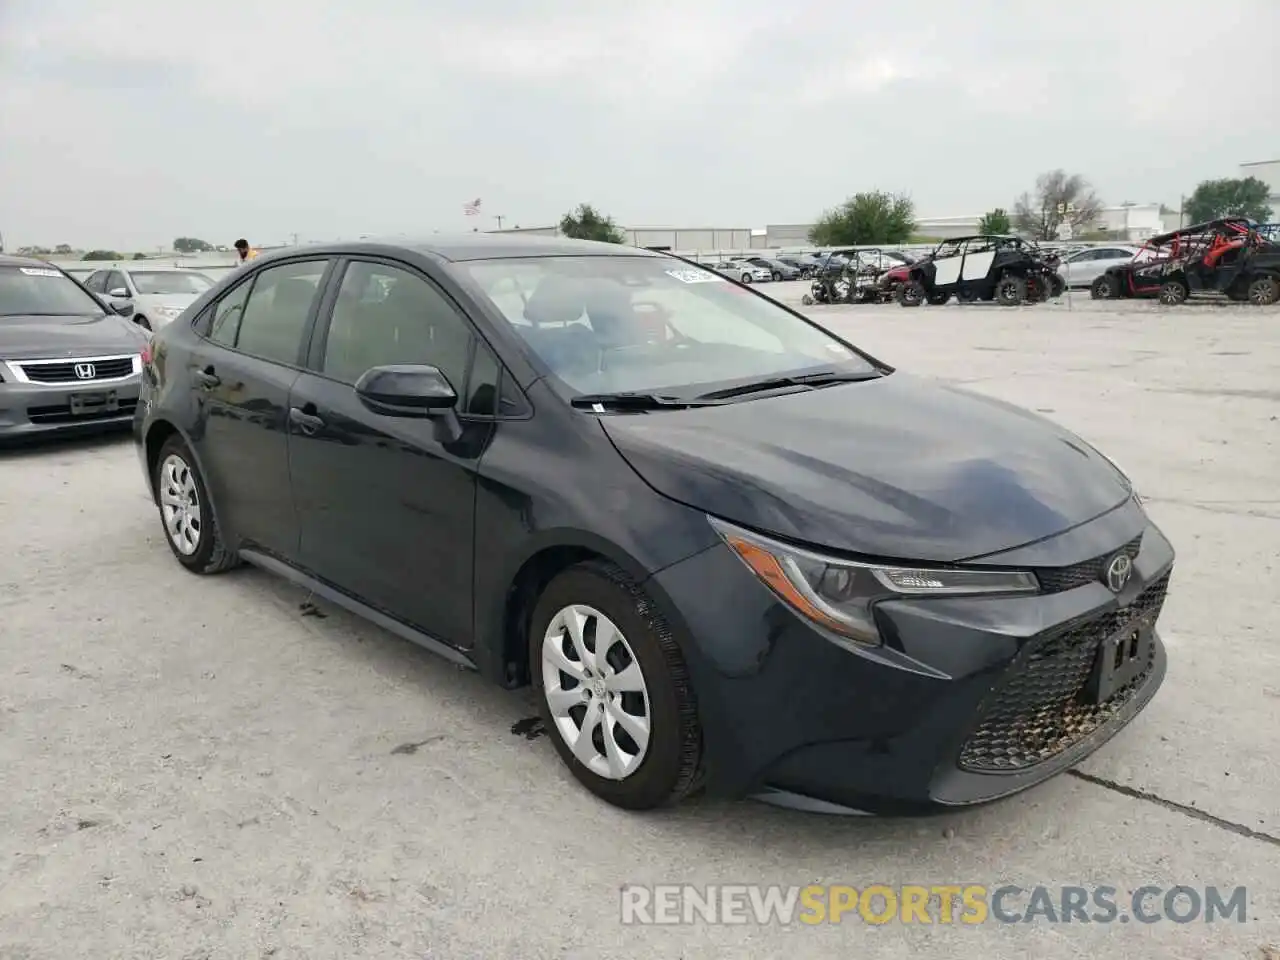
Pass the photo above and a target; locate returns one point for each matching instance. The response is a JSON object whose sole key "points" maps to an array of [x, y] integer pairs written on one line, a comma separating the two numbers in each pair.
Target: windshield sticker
{"points": [[695, 276], [39, 272], [837, 349]]}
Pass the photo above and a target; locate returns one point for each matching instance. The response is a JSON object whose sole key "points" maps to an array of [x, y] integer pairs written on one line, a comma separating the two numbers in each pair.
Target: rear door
{"points": [[253, 340], [386, 507], [979, 254]]}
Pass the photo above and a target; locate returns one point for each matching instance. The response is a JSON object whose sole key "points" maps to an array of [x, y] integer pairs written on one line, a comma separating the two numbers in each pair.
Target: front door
{"points": [[387, 507], [241, 374]]}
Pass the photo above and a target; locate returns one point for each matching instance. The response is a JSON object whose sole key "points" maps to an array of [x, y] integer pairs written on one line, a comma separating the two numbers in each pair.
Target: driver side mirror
{"points": [[412, 391], [121, 308], [118, 293]]}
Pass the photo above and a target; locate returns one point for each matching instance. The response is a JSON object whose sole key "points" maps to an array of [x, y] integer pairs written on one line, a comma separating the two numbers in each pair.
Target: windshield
{"points": [[43, 291], [170, 281], [644, 324]]}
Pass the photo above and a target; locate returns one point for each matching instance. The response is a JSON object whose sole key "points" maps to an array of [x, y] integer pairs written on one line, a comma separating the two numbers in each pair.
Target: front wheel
{"points": [[1264, 291], [911, 294], [936, 298], [746, 278], [1057, 286], [187, 514], [1173, 292], [1011, 291], [613, 689], [777, 276], [1104, 288]]}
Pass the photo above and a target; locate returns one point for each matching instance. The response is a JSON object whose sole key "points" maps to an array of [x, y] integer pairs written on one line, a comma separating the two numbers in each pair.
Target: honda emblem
{"points": [[85, 371]]}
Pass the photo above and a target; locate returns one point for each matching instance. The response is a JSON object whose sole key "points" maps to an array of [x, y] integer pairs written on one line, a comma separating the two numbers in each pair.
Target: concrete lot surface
{"points": [[191, 768]]}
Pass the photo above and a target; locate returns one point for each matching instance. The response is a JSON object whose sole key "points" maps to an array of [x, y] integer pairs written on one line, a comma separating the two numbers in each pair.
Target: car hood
{"points": [[30, 338], [897, 467], [179, 300]]}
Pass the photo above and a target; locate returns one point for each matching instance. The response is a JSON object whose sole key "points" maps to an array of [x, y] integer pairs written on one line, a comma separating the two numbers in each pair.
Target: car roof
{"points": [[9, 260], [480, 246]]}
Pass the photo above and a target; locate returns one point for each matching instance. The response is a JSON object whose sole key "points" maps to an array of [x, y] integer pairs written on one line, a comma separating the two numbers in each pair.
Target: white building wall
{"points": [[1268, 171]]}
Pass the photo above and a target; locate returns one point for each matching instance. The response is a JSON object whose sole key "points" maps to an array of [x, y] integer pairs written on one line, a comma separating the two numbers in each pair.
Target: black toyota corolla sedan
{"points": [[68, 362], [730, 551]]}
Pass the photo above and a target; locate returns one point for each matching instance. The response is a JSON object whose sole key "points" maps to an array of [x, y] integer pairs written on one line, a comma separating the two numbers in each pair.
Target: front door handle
{"points": [[308, 423], [207, 379]]}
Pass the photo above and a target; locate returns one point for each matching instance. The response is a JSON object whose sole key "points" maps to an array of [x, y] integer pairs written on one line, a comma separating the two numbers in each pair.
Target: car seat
{"points": [[554, 311]]}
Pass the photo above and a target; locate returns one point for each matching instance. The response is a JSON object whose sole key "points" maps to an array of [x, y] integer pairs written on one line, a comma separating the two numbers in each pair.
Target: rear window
{"points": [[36, 291]]}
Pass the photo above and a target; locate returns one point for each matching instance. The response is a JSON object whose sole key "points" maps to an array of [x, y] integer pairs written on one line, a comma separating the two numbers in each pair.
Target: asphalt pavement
{"points": [[202, 768]]}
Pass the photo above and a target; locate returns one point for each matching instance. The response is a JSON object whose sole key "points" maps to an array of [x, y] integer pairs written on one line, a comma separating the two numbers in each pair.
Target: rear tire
{"points": [[1264, 291], [1173, 293], [1011, 291], [641, 678], [186, 512], [777, 277], [936, 298], [1057, 286], [746, 278]]}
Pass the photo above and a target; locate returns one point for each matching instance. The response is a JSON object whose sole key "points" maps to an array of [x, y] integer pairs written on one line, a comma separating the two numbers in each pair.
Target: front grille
{"points": [[54, 414], [1038, 709], [1059, 579], [111, 368]]}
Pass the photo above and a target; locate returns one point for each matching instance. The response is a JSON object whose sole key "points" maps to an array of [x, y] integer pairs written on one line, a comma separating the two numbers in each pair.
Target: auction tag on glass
{"points": [[695, 276]]}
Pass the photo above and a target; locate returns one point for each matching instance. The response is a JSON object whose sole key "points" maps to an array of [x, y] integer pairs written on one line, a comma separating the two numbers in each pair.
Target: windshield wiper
{"points": [[637, 401], [813, 380]]}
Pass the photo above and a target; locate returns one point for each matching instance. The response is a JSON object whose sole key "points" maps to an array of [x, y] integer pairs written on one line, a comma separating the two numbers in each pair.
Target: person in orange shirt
{"points": [[246, 252]]}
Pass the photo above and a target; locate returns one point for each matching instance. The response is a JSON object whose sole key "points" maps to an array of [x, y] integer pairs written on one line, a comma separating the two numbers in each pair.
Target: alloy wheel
{"points": [[596, 691], [180, 505], [1264, 291]]}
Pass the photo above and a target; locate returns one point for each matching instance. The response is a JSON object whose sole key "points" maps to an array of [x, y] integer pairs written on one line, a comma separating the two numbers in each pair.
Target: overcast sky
{"points": [[127, 123]]}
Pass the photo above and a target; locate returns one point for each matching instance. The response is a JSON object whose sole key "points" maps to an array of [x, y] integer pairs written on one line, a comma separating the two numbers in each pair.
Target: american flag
{"points": [[472, 208]]}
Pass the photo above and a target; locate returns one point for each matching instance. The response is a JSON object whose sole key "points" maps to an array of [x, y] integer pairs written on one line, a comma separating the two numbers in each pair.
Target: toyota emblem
{"points": [[1118, 572], [85, 371]]}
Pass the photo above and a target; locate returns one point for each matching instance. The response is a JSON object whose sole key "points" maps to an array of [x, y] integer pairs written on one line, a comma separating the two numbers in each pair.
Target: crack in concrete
{"points": [[1239, 829]]}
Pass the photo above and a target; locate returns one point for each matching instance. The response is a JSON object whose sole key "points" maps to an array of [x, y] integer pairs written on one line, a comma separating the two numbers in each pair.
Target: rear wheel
{"points": [[613, 689], [1057, 286], [911, 294], [777, 276], [1173, 292], [1011, 291], [937, 298], [746, 278], [1264, 291], [185, 511]]}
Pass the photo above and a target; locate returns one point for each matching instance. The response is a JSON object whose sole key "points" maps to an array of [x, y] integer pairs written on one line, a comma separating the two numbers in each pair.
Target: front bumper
{"points": [[37, 409], [967, 701]]}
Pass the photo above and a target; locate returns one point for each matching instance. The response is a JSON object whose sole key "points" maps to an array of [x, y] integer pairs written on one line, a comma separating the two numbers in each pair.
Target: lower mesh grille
{"points": [[1038, 709]]}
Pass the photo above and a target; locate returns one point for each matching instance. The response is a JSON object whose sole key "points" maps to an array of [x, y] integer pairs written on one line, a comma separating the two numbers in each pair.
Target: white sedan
{"points": [[1081, 268]]}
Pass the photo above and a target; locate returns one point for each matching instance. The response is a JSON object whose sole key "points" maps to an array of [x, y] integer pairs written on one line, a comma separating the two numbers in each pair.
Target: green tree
{"points": [[588, 223], [191, 245], [1059, 198], [865, 218], [62, 249], [1245, 197], [139, 256], [102, 255], [995, 222]]}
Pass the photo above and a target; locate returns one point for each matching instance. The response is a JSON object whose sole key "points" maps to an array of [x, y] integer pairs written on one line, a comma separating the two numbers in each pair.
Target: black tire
{"points": [[211, 553], [1264, 291], [911, 294], [936, 298], [1011, 291], [143, 322], [1173, 293], [746, 278], [671, 769], [1104, 288], [1057, 286], [1037, 288], [807, 300], [806, 274], [777, 276]]}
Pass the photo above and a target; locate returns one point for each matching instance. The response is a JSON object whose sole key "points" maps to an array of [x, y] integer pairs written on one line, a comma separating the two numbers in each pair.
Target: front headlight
{"points": [[839, 594], [169, 313]]}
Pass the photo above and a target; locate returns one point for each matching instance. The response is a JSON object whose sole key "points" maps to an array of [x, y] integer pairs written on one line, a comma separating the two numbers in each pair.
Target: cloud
{"points": [[328, 119]]}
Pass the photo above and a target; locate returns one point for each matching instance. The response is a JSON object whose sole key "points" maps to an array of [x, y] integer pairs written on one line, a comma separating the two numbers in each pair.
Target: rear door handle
{"points": [[308, 423], [207, 379]]}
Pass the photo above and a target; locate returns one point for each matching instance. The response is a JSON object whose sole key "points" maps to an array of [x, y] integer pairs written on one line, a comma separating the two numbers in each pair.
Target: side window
{"points": [[482, 384], [97, 281], [385, 315], [275, 316], [115, 281], [226, 315]]}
